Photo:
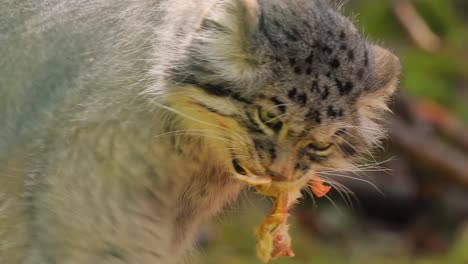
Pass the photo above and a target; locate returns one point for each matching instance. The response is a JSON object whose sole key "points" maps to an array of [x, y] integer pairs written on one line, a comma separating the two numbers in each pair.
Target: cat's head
{"points": [[290, 85]]}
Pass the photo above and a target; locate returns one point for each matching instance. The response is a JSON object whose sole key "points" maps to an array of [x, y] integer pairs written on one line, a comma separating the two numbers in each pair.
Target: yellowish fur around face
{"points": [[218, 131]]}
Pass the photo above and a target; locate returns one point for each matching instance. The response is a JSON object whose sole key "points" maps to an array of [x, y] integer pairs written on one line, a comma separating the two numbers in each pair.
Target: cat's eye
{"points": [[320, 148], [270, 119], [239, 169]]}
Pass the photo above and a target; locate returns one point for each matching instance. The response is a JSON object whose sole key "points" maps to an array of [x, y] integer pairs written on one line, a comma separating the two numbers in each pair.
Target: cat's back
{"points": [[58, 56], [52, 50], [49, 48]]}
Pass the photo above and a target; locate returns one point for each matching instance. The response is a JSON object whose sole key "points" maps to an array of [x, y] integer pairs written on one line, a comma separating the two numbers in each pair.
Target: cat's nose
{"points": [[282, 168]]}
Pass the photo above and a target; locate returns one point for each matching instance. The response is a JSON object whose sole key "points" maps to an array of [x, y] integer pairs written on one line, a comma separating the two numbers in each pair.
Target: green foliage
{"points": [[374, 18], [440, 76], [234, 243]]}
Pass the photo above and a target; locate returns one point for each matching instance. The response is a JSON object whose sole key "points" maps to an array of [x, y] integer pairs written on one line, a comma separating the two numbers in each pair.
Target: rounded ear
{"points": [[226, 43], [381, 83], [386, 68], [248, 13]]}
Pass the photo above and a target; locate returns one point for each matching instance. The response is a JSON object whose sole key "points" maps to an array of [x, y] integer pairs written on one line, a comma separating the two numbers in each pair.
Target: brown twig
{"points": [[443, 121], [415, 26], [429, 152]]}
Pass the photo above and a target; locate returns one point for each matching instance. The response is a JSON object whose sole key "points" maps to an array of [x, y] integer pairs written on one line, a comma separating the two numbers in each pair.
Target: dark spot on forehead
{"points": [[292, 93], [315, 116], [325, 92], [366, 57], [292, 61], [360, 74], [350, 55], [297, 70], [345, 88], [315, 87], [335, 63], [331, 112], [299, 98], [279, 103], [343, 47], [310, 58], [309, 71], [327, 49], [302, 99], [342, 35]]}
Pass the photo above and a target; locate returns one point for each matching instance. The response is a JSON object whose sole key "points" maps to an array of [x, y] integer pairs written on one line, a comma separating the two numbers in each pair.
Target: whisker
{"points": [[334, 204], [343, 191], [355, 137], [354, 178]]}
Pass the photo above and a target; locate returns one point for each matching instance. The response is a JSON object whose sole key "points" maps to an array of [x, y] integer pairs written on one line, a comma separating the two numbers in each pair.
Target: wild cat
{"points": [[124, 123]]}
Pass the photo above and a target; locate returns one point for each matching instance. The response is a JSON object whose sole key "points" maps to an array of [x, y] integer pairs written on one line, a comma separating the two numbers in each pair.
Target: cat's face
{"points": [[292, 86]]}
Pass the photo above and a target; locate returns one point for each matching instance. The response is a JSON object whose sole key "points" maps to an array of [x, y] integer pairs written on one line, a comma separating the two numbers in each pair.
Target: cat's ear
{"points": [[382, 81], [228, 40], [386, 70], [248, 14], [240, 18]]}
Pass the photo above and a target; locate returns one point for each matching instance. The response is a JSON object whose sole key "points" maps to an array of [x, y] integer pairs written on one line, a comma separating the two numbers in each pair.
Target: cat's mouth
{"points": [[268, 184], [246, 175]]}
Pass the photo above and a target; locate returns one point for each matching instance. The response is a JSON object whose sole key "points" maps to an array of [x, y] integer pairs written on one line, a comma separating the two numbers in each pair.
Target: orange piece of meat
{"points": [[318, 188]]}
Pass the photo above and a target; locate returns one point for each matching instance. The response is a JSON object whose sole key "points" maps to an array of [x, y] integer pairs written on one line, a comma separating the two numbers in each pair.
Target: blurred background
{"points": [[413, 208]]}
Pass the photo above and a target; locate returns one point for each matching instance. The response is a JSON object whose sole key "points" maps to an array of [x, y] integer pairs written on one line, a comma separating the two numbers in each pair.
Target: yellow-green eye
{"points": [[270, 119], [320, 148]]}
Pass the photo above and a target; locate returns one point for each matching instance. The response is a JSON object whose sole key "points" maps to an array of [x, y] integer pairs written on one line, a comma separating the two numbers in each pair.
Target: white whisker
{"points": [[353, 178]]}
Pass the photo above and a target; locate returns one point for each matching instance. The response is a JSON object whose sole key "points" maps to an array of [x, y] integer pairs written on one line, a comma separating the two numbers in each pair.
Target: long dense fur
{"points": [[123, 123]]}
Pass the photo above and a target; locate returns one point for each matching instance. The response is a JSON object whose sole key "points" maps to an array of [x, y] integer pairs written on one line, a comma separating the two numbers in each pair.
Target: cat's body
{"points": [[119, 120]]}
